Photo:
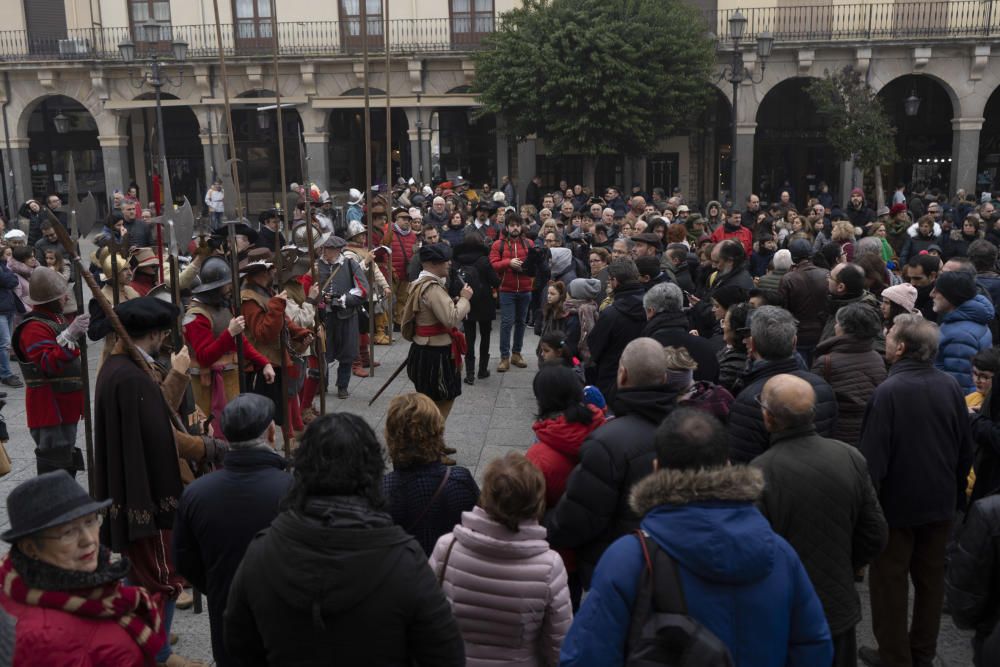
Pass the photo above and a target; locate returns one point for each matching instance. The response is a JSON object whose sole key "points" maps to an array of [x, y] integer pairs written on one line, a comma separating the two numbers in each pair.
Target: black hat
{"points": [[246, 417], [145, 314], [48, 500], [268, 214], [652, 239], [437, 252], [243, 229], [956, 286], [800, 249]]}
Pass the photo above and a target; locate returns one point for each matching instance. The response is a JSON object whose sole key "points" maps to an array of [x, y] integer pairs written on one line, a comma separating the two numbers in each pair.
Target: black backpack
{"points": [[662, 633]]}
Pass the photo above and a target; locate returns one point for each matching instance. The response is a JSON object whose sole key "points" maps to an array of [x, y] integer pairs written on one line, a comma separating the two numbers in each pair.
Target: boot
{"points": [[504, 365], [357, 369], [365, 353], [518, 360], [470, 365], [381, 325], [484, 371], [55, 458]]}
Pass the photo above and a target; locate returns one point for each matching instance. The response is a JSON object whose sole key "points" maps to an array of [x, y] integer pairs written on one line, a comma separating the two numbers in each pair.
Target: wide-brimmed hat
{"points": [[51, 499], [143, 257], [45, 286], [257, 260]]}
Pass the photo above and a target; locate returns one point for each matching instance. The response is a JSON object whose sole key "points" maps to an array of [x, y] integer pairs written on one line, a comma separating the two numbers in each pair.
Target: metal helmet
{"points": [[355, 228], [300, 237], [214, 273]]}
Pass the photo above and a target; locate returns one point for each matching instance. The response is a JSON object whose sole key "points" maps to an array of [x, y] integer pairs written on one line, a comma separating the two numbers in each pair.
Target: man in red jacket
{"points": [[404, 241], [508, 256], [46, 349], [734, 229]]}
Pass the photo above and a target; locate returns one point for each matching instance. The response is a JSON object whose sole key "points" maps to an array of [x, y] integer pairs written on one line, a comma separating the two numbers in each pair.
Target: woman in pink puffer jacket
{"points": [[507, 588]]}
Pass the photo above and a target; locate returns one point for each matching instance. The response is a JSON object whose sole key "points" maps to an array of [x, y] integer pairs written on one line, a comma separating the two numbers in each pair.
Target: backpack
{"points": [[662, 633]]}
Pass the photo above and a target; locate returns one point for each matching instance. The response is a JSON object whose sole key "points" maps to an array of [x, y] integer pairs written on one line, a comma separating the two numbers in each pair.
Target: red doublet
{"points": [[44, 406], [208, 349]]}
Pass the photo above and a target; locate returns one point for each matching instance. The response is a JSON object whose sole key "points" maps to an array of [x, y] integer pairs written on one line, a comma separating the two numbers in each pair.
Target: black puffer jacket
{"points": [[473, 262], [339, 579], [594, 511], [671, 330], [732, 365], [819, 496], [972, 586], [985, 428], [618, 325], [853, 370], [747, 436]]}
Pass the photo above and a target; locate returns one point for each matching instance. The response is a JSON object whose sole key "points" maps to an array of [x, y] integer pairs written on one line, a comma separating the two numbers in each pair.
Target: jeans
{"points": [[168, 619], [6, 326], [513, 308]]}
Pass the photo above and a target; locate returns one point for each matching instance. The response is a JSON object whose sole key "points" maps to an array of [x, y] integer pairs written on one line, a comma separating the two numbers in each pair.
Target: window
{"points": [[150, 21], [253, 23], [350, 22], [470, 19]]}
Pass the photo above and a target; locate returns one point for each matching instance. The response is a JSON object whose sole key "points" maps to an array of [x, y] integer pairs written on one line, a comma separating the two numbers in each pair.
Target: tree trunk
{"points": [[879, 192]]}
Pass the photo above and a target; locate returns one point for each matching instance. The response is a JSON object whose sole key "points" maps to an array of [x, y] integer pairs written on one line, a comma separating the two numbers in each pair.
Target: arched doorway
{"points": [[347, 145], [466, 146], [988, 170], [790, 149], [185, 157], [714, 139], [256, 135], [60, 126], [923, 138]]}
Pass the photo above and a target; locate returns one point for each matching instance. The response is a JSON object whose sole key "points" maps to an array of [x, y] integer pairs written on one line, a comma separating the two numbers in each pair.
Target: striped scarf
{"points": [[129, 606]]}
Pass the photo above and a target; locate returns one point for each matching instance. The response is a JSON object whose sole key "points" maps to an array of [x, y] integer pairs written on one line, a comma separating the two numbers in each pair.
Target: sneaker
{"points": [[342, 393], [449, 450], [12, 381], [504, 365], [518, 360], [185, 600]]}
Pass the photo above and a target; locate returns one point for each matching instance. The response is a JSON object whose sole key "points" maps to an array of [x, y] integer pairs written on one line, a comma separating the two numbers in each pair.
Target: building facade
{"points": [[66, 90]]}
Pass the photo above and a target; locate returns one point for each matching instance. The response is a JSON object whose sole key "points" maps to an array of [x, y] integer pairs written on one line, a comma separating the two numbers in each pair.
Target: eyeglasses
{"points": [[760, 403], [70, 535]]}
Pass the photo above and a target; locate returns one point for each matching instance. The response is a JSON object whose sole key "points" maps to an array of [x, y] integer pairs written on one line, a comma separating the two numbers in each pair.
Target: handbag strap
{"points": [[447, 557], [444, 480]]}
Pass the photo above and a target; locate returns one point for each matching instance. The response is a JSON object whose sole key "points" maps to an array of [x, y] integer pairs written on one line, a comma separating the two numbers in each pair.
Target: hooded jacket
{"points": [[338, 579], [557, 450], [854, 370], [742, 581], [594, 511], [748, 437], [472, 259], [741, 234], [671, 329], [916, 242], [618, 325], [508, 591], [964, 332]]}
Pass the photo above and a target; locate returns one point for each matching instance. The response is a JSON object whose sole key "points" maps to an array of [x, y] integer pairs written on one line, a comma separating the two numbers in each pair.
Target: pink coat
{"points": [[507, 590]]}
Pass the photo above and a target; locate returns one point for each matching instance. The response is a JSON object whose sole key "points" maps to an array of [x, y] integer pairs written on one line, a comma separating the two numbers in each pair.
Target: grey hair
{"points": [[782, 260], [918, 334], [869, 245], [773, 331], [629, 243], [858, 319], [664, 298]]}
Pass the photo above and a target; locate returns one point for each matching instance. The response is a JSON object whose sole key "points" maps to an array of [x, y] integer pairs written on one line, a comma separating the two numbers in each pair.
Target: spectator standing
{"points": [[472, 259], [215, 200], [919, 490], [668, 325], [803, 291], [963, 317], [618, 325], [819, 496], [508, 256], [10, 307]]}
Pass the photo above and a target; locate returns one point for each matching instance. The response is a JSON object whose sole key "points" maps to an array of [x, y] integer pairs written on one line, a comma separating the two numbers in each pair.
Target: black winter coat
{"points": [[618, 325], [339, 582], [918, 443], [732, 366], [818, 495], [985, 428], [972, 586], [218, 516], [671, 329], [748, 437], [804, 294], [594, 511], [409, 492], [853, 370], [473, 260]]}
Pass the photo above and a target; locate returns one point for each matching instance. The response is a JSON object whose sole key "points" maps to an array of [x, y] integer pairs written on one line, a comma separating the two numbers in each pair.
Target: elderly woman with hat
{"points": [[343, 288], [69, 599], [45, 344]]}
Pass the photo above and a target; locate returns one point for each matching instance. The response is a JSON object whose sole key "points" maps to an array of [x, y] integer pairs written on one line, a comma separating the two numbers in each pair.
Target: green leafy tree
{"points": [[597, 76], [859, 128]]}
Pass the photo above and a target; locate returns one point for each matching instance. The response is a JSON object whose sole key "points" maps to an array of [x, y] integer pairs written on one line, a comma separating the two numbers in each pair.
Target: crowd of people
{"points": [[740, 413]]}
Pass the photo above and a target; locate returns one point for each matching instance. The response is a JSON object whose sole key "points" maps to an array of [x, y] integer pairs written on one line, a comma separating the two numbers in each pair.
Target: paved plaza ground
{"points": [[488, 420]]}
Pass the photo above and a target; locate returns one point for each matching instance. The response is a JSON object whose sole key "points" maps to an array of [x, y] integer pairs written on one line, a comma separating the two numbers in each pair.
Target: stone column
{"points": [[18, 162], [415, 156], [847, 182], [318, 149], [525, 167], [743, 169], [503, 151], [114, 151], [965, 153]]}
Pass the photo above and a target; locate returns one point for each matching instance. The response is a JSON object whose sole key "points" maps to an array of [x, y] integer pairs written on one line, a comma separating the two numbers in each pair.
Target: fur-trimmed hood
{"points": [[682, 487]]}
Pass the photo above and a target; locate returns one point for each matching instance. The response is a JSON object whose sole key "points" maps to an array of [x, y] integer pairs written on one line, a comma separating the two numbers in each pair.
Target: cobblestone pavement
{"points": [[488, 420]]}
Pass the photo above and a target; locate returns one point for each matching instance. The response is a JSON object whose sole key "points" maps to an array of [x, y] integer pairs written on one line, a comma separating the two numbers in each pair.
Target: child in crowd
{"points": [[985, 366]]}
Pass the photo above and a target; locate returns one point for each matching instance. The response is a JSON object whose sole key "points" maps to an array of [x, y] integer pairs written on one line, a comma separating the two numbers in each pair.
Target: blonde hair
{"points": [[414, 430], [679, 359], [843, 230]]}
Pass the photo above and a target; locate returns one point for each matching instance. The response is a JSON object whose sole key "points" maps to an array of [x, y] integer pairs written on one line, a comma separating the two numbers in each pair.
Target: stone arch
{"points": [[923, 140], [880, 84], [24, 114], [359, 92]]}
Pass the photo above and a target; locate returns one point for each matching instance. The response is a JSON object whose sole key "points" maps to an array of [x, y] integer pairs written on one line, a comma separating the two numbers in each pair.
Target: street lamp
{"points": [[157, 78], [911, 105], [420, 148], [736, 73], [61, 122]]}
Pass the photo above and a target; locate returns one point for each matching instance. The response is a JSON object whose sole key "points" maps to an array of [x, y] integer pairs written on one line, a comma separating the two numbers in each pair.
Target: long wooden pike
{"points": [[314, 270], [388, 170], [88, 417], [368, 187]]}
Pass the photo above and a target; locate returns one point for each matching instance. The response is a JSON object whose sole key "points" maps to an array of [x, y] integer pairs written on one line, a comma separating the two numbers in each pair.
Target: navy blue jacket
{"points": [[8, 281], [218, 516], [918, 443], [964, 332]]}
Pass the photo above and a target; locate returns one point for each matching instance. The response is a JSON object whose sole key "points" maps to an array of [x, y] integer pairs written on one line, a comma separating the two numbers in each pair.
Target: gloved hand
{"points": [[215, 450], [72, 333]]}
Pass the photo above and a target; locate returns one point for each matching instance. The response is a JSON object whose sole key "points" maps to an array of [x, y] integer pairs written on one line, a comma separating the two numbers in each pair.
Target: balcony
{"points": [[883, 22], [313, 39]]}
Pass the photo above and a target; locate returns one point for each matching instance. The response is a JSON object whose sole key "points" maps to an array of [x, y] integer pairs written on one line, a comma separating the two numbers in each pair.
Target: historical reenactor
{"points": [[266, 323], [344, 287], [135, 455], [296, 281], [45, 344], [145, 267], [99, 327], [404, 241], [210, 330], [435, 360], [270, 223], [356, 250]]}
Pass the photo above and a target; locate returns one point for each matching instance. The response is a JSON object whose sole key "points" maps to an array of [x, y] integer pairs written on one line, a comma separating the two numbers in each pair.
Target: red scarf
{"points": [[129, 606], [458, 344]]}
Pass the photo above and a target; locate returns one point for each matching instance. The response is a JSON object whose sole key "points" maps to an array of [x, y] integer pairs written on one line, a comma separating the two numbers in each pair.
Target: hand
{"points": [[78, 326], [283, 295], [313, 292], [516, 264], [693, 332], [237, 325], [181, 361], [693, 300], [466, 292], [387, 291], [268, 374]]}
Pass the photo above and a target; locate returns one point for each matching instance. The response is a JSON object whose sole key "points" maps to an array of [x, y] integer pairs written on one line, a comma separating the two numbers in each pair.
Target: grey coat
{"points": [[342, 333]]}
